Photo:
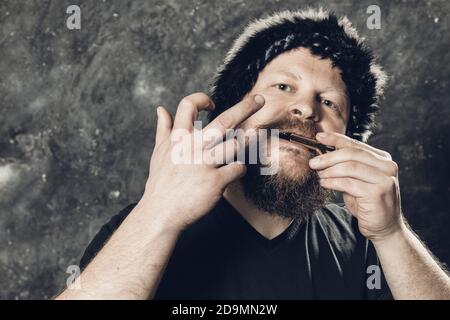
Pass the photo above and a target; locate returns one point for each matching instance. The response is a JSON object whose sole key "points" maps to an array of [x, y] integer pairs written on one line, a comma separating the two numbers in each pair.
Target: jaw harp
{"points": [[307, 142]]}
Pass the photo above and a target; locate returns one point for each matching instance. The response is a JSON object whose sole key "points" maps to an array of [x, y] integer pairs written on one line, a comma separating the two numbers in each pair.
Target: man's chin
{"points": [[294, 167], [293, 192]]}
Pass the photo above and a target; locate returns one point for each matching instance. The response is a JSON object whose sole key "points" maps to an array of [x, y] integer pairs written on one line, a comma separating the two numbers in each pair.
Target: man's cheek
{"points": [[271, 112], [333, 124], [258, 119]]}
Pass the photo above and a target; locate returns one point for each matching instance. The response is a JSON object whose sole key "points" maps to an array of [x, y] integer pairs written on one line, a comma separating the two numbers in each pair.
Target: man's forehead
{"points": [[300, 63], [301, 58]]}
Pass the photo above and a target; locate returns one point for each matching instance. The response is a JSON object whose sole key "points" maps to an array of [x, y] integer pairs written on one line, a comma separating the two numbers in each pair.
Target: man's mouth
{"points": [[286, 143], [286, 134], [310, 143]]}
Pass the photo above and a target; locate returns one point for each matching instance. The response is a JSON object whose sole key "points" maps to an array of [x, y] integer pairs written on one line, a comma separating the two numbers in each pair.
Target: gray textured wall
{"points": [[77, 113]]}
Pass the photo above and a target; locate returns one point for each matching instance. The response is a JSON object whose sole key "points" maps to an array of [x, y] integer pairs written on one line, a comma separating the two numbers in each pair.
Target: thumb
{"points": [[233, 171]]}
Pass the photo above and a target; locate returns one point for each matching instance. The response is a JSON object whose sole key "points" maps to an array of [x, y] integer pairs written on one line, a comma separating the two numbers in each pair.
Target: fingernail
{"points": [[321, 135], [314, 161], [158, 111], [259, 99]]}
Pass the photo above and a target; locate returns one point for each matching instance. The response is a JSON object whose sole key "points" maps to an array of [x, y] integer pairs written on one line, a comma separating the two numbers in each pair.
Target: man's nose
{"points": [[305, 109]]}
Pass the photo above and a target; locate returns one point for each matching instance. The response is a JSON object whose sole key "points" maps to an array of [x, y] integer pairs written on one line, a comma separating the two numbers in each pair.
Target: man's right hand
{"points": [[177, 194]]}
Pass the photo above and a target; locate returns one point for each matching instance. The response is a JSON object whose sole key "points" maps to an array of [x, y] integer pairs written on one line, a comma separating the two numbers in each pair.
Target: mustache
{"points": [[294, 125]]}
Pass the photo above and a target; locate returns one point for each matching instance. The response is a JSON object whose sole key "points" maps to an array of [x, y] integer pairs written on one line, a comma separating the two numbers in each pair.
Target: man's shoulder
{"points": [[338, 226], [104, 234], [117, 219], [338, 216]]}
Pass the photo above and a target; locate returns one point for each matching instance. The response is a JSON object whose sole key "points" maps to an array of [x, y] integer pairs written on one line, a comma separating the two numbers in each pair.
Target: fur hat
{"points": [[327, 37]]}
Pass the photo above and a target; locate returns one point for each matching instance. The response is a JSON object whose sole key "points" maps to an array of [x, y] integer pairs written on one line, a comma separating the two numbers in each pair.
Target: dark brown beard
{"points": [[280, 194]]}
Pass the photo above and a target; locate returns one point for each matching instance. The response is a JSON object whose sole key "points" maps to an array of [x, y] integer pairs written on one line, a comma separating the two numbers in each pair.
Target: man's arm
{"points": [[410, 270], [368, 179], [131, 263]]}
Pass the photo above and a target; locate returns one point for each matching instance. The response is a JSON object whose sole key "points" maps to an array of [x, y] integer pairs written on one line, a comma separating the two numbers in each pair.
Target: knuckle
{"points": [[354, 151], [387, 155], [354, 165], [346, 183], [201, 95], [217, 176], [330, 182], [241, 168], [357, 143], [354, 141], [360, 151], [379, 190], [186, 103], [225, 120], [387, 187], [392, 183], [206, 180], [394, 168], [247, 105]]}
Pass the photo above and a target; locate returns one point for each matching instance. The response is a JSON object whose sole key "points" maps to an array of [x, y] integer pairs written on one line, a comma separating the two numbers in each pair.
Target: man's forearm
{"points": [[410, 270], [131, 263]]}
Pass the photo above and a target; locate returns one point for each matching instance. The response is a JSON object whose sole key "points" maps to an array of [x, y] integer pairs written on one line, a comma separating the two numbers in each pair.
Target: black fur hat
{"points": [[327, 37]]}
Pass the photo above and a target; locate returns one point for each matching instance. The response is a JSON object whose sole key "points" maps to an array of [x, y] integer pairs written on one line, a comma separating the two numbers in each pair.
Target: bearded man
{"points": [[223, 230]]}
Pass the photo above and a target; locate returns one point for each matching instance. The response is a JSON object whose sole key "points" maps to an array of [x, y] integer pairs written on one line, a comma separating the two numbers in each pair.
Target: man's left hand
{"points": [[368, 179]]}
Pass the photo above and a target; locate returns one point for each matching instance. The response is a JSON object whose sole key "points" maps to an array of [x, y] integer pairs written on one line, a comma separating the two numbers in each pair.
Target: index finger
{"points": [[341, 141], [233, 116], [188, 109]]}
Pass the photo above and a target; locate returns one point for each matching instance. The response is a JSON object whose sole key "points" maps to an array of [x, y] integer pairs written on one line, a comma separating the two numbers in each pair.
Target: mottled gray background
{"points": [[77, 113]]}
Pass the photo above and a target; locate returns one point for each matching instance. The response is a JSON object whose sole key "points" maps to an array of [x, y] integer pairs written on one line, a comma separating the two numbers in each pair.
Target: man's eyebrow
{"points": [[289, 74], [343, 93]]}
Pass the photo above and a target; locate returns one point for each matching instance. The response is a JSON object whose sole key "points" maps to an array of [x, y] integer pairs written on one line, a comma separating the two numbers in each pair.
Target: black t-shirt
{"points": [[222, 256]]}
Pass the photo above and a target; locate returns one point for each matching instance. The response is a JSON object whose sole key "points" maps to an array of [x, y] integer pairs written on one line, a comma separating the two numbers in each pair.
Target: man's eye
{"points": [[283, 87], [328, 103], [331, 104]]}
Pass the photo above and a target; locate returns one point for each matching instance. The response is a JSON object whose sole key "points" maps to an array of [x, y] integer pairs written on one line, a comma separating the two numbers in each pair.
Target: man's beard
{"points": [[288, 196]]}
